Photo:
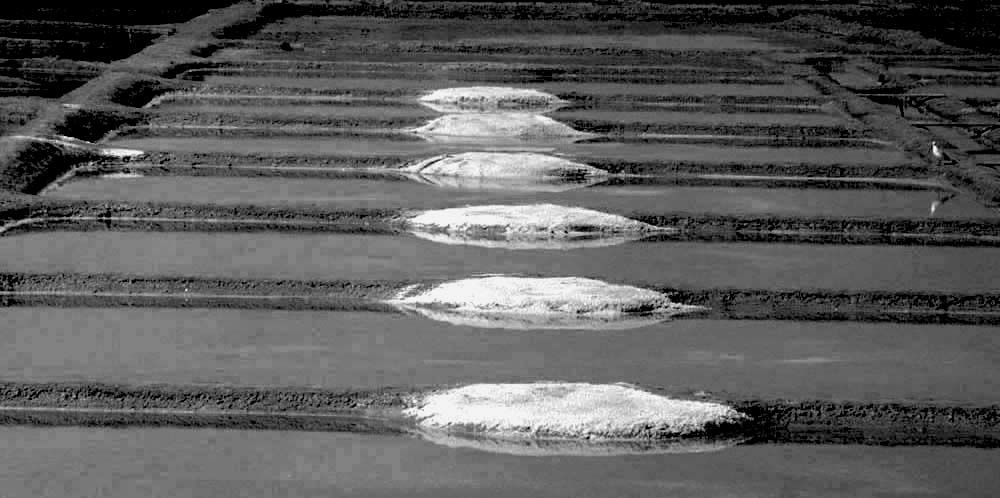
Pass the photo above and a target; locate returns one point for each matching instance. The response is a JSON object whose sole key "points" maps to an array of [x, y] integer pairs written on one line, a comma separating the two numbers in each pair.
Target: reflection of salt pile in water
{"points": [[505, 171], [540, 303], [519, 184], [503, 165], [519, 125], [491, 99], [495, 113], [580, 416], [573, 447], [531, 226]]}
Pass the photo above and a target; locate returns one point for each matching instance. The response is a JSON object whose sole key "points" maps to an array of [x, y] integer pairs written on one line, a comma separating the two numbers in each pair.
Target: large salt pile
{"points": [[518, 125], [525, 171], [502, 165], [576, 411], [520, 184], [530, 226], [495, 113], [478, 99], [540, 303]]}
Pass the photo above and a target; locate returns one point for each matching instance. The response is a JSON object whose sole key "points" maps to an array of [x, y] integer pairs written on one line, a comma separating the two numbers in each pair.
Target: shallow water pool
{"points": [[767, 359], [432, 192], [223, 463], [387, 257]]}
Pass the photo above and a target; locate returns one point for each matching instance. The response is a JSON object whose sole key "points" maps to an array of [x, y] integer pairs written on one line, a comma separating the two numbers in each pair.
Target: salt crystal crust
{"points": [[474, 99], [568, 411]]}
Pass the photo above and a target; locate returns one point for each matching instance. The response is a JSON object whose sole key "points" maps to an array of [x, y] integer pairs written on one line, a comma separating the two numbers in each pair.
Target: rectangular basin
{"points": [[335, 349]]}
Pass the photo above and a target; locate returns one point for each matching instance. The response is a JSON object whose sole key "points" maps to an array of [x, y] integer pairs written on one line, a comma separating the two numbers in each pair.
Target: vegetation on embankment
{"points": [[378, 411]]}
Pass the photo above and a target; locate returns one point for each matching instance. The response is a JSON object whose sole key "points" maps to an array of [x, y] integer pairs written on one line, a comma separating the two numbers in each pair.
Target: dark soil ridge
{"points": [[107, 101], [106, 290], [375, 50], [761, 139], [577, 100], [378, 411], [125, 216], [468, 68], [402, 103], [616, 166], [74, 30], [984, 183], [495, 76], [390, 175], [279, 122], [463, 67]]}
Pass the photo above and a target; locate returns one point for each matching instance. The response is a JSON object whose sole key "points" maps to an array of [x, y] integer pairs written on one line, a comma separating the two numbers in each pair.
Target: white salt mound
{"points": [[521, 126], [543, 221], [122, 175], [528, 241], [502, 165], [121, 153], [475, 99], [540, 299], [554, 410], [520, 184]]}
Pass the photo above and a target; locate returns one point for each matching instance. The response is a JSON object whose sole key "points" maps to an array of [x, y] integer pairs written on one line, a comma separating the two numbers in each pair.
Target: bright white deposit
{"points": [[76, 143], [554, 302], [502, 165], [120, 153], [541, 221], [521, 126], [527, 241], [568, 411], [519, 184], [122, 175], [491, 99]]}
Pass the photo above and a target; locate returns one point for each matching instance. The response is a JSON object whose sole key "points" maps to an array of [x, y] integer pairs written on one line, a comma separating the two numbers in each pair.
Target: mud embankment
{"points": [[124, 216], [108, 101], [92, 290], [665, 166], [218, 94], [965, 174], [469, 72], [222, 123], [387, 174], [377, 411]]}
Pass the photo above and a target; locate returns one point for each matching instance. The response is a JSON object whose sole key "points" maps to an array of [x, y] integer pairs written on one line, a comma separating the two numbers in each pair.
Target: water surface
{"points": [[224, 463], [768, 359], [442, 192]]}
